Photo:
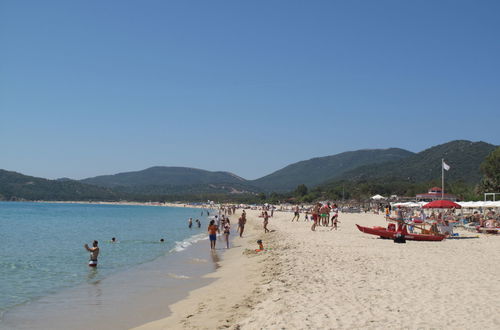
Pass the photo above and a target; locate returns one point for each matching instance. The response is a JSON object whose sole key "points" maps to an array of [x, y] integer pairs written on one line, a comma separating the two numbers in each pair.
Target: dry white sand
{"points": [[346, 280]]}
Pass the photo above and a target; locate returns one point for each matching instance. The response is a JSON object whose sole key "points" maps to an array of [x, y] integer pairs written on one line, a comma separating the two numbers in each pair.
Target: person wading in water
{"points": [[94, 253]]}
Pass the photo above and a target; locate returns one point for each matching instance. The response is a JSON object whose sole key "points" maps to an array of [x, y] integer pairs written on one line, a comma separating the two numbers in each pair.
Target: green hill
{"points": [[173, 180], [16, 186], [316, 171], [464, 158]]}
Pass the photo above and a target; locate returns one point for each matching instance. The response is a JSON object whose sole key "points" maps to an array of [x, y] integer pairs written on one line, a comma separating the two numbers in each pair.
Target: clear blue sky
{"points": [[100, 87]]}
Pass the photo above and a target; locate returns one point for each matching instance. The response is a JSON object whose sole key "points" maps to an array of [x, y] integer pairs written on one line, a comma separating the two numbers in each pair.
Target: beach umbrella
{"points": [[442, 204]]}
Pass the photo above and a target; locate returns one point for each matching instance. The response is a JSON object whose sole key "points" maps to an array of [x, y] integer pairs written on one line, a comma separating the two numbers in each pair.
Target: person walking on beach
{"points": [[227, 231], [266, 221], [218, 219], [296, 213], [94, 253], [241, 223], [315, 216], [212, 234]]}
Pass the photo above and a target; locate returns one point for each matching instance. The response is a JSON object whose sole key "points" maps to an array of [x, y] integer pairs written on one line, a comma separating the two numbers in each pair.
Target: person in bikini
{"points": [[94, 253], [227, 231], [266, 221]]}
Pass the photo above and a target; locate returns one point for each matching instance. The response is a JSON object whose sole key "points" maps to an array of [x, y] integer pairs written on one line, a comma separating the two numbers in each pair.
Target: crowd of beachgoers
{"points": [[326, 214], [360, 280]]}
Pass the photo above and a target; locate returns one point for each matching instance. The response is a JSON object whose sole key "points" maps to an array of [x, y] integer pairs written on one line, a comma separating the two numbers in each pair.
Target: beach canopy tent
{"points": [[481, 204], [409, 204], [442, 204], [378, 197]]}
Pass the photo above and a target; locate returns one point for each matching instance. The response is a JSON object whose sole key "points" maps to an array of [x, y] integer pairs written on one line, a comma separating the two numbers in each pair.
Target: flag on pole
{"points": [[446, 166]]}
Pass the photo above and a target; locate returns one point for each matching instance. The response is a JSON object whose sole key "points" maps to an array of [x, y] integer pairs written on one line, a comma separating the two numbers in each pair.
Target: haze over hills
{"points": [[315, 171], [463, 156], [386, 166]]}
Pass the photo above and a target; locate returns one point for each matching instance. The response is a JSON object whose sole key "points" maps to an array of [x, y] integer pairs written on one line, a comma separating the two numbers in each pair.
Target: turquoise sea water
{"points": [[41, 245]]}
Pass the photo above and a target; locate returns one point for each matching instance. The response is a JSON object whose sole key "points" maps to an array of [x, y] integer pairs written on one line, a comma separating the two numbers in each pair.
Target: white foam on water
{"points": [[182, 245], [172, 275]]}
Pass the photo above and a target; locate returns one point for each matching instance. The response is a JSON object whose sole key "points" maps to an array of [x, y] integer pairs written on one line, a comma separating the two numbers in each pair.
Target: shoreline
{"points": [[323, 279], [166, 204], [345, 279], [119, 300], [106, 298], [229, 296]]}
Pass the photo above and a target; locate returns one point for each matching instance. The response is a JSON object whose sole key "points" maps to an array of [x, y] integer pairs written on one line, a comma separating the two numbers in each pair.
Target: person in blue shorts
{"points": [[212, 234]]}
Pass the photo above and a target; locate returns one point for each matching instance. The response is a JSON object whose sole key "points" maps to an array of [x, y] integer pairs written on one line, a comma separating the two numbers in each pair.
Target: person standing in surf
{"points": [[94, 253], [212, 234]]}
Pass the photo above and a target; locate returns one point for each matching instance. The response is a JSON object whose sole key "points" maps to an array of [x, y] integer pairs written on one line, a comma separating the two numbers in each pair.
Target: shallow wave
{"points": [[172, 275], [182, 245]]}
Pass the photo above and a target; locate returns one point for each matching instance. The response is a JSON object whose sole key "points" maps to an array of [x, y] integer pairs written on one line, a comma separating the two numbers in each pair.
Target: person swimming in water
{"points": [[190, 223], [94, 253]]}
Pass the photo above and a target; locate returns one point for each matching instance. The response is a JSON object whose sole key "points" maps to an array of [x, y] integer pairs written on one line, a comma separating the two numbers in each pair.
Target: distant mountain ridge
{"points": [[318, 170], [17, 186], [174, 180], [464, 158], [165, 175], [159, 182]]}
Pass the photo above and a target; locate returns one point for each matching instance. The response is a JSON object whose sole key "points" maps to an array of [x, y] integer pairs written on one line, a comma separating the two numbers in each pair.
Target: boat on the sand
{"points": [[488, 230], [390, 233]]}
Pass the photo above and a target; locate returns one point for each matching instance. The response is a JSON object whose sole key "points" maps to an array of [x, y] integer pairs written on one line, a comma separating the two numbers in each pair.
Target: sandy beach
{"points": [[344, 279]]}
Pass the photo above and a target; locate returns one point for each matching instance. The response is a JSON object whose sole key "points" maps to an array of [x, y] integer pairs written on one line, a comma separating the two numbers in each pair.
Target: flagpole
{"points": [[442, 178]]}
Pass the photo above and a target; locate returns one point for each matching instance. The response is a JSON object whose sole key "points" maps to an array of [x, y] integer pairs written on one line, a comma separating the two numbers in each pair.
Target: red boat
{"points": [[391, 232]]}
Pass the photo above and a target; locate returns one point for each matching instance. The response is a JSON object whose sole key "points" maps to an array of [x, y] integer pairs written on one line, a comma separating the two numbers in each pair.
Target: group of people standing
{"points": [[190, 223], [320, 215], [222, 222]]}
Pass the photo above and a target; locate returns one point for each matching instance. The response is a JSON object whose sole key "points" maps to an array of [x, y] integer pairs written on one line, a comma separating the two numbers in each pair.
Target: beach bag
{"points": [[399, 238]]}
